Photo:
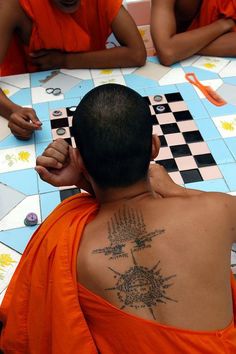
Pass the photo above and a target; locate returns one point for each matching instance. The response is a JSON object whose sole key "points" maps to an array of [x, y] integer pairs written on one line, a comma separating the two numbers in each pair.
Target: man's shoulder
{"points": [[11, 10], [213, 203]]}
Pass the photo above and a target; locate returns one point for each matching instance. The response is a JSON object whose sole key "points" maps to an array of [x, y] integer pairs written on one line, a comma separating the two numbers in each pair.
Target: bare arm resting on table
{"points": [[22, 121], [172, 46], [131, 53]]}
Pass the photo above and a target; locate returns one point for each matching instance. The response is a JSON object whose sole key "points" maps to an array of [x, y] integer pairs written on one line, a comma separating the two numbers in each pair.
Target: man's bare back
{"points": [[181, 249], [154, 250]]}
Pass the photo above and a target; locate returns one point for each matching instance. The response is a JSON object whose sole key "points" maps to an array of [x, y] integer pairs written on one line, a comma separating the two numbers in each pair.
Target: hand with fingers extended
{"points": [[60, 165], [23, 122]]}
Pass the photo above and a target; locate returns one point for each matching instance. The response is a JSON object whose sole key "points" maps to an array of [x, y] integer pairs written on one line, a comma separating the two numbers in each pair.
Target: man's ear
{"points": [[155, 146], [80, 162]]}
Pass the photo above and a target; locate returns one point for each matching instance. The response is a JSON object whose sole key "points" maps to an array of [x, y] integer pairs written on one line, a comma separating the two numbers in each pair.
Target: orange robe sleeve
{"points": [[212, 10], [86, 30], [41, 312]]}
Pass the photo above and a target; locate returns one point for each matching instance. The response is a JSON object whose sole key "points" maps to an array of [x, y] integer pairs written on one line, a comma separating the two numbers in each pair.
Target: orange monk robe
{"points": [[44, 313], [213, 10], [40, 312], [85, 30]]}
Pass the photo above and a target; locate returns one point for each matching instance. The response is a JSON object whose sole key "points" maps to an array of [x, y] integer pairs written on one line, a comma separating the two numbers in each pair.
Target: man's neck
{"points": [[114, 196]]}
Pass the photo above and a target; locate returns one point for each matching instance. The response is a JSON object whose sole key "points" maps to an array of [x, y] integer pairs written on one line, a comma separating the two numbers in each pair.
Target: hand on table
{"points": [[48, 59], [23, 122], [59, 166]]}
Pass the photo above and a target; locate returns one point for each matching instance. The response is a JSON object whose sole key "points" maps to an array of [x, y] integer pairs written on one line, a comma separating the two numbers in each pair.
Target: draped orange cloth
{"points": [[115, 331], [43, 312], [212, 10], [40, 312], [85, 30]]}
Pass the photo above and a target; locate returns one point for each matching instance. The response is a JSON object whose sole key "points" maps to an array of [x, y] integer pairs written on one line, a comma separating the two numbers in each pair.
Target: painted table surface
{"points": [[22, 191]]}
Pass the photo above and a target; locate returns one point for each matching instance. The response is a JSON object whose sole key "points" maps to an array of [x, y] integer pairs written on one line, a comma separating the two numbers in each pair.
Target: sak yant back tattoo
{"points": [[127, 225], [139, 286]]}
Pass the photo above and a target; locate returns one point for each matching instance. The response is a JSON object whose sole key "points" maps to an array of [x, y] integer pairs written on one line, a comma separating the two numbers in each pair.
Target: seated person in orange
{"points": [[49, 34], [139, 264], [181, 28]]}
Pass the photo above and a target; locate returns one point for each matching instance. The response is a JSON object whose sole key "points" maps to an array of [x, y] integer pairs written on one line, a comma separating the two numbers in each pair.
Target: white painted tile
{"points": [[213, 64], [111, 80], [39, 95], [229, 70], [20, 81], [128, 71], [9, 260], [9, 90], [105, 73], [15, 218], [17, 158], [174, 76], [4, 130], [189, 61], [9, 199], [226, 125], [83, 74]]}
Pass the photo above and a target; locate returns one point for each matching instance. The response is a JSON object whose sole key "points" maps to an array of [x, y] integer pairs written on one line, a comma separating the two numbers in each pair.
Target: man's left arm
{"points": [[131, 52], [223, 46]]}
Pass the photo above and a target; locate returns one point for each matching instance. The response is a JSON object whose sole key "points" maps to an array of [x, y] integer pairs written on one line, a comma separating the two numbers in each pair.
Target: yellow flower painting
{"points": [[6, 260], [209, 65], [229, 126], [24, 156], [106, 71]]}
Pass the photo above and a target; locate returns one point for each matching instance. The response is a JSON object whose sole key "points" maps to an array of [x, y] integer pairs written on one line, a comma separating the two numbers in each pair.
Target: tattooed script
{"points": [[140, 287], [127, 225]]}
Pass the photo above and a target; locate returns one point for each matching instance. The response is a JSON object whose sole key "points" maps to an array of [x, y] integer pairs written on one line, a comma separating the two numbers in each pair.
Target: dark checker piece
{"points": [[57, 113], [71, 110], [157, 111], [158, 98], [160, 109], [61, 131]]}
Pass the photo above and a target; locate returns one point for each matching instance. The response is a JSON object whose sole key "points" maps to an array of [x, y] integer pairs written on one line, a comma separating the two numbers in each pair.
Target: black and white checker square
{"points": [[183, 152]]}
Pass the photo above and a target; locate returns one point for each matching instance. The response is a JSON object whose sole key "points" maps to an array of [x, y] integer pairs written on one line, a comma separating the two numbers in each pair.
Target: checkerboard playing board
{"points": [[183, 152]]}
